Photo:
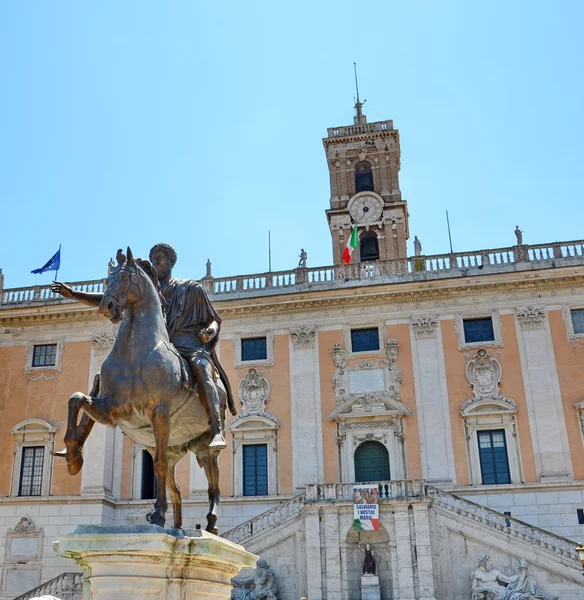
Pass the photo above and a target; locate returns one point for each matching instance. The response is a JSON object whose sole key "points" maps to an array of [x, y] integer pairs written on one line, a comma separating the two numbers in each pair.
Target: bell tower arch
{"points": [[364, 162]]}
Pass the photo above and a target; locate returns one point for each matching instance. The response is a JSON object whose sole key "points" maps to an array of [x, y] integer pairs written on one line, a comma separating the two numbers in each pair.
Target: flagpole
{"points": [[57, 273]]}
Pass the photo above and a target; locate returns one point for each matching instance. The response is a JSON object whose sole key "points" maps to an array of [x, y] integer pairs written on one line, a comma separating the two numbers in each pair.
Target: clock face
{"points": [[366, 209]]}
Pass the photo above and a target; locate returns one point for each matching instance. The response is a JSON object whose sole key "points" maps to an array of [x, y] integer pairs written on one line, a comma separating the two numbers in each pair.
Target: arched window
{"points": [[363, 177], [368, 247], [371, 463]]}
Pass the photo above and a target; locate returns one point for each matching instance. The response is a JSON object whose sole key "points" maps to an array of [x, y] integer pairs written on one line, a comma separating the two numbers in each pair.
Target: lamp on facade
{"points": [[580, 552]]}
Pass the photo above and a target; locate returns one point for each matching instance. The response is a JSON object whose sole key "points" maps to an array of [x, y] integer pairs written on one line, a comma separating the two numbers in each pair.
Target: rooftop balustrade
{"points": [[412, 269]]}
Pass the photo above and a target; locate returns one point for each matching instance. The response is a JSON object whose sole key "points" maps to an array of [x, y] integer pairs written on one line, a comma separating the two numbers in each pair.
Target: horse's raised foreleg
{"points": [[96, 409], [161, 427]]}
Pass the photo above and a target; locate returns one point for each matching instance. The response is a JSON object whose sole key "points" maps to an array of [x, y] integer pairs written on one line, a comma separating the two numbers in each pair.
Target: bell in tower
{"points": [[364, 162]]}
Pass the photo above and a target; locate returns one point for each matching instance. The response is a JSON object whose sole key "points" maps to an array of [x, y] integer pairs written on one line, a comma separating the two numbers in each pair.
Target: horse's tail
{"points": [[223, 377]]}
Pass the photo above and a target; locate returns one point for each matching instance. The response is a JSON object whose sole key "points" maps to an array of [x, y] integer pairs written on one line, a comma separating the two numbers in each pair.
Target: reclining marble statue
{"points": [[259, 586], [161, 383], [490, 584]]}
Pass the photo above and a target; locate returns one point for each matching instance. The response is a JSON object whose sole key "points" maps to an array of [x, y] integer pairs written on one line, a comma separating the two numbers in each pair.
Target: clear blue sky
{"points": [[200, 124]]}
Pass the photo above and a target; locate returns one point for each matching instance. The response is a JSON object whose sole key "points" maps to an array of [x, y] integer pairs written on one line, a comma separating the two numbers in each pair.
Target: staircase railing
{"points": [[67, 586], [266, 520], [514, 527]]}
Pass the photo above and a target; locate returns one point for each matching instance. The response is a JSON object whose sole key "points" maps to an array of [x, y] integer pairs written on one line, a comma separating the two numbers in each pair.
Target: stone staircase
{"points": [[512, 528], [266, 521], [66, 586]]}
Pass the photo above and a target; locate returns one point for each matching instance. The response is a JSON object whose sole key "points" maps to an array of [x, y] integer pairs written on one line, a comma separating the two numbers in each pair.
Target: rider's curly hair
{"points": [[168, 249]]}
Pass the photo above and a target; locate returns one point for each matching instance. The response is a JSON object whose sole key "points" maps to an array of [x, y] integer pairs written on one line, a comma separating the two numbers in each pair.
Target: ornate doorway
{"points": [[371, 463]]}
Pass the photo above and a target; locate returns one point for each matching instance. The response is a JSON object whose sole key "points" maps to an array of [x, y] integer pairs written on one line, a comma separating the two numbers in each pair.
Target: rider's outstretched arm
{"points": [[89, 298]]}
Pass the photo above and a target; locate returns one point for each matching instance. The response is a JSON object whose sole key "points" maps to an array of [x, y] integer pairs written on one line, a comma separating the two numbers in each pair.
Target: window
{"points": [[580, 514], [363, 178], [478, 330], [31, 471], [371, 463], [493, 457], [34, 444], [254, 349], [255, 470], [578, 320], [368, 247], [44, 355], [148, 488], [365, 340]]}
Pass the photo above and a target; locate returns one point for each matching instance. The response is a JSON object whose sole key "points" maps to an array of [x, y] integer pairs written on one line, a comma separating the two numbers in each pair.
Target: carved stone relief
{"points": [[394, 377], [254, 390], [531, 317], [425, 327], [25, 525], [483, 372], [303, 337]]}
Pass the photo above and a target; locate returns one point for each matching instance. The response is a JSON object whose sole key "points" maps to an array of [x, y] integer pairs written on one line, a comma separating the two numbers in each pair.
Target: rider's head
{"points": [[163, 258]]}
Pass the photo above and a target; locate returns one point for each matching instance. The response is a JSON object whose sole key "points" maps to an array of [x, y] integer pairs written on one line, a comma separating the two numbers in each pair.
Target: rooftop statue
{"points": [[161, 383]]}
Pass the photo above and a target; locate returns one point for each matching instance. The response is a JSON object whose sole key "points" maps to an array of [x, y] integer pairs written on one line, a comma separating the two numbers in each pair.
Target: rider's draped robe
{"points": [[188, 310]]}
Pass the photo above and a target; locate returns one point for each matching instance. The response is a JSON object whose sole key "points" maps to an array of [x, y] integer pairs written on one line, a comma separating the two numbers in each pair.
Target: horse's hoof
{"points": [[157, 518], [218, 442], [74, 465], [212, 523]]}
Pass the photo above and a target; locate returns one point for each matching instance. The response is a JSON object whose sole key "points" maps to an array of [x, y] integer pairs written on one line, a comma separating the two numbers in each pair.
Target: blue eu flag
{"points": [[53, 263]]}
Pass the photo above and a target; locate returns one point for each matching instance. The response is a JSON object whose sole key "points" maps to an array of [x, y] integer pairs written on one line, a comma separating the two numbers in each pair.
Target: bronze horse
{"points": [[145, 388]]}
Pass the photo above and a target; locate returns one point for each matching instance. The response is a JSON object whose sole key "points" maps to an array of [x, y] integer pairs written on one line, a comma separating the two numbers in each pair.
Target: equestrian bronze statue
{"points": [[161, 383]]}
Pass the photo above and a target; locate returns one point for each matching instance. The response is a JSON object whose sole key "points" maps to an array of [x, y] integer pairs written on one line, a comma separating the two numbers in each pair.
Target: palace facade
{"points": [[454, 382]]}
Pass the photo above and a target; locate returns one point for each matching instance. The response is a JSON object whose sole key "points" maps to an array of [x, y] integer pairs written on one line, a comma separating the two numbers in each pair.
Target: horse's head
{"points": [[126, 286]]}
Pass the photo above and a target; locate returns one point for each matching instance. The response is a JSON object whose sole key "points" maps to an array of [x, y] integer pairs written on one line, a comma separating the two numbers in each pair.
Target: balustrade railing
{"points": [[395, 489], [410, 269], [518, 529], [67, 586], [266, 520]]}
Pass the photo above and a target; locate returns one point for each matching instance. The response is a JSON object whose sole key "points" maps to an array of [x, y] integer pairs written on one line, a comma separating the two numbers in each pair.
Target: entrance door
{"points": [[371, 463]]}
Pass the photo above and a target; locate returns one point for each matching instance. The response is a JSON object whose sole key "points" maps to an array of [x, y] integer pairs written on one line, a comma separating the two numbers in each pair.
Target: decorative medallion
{"points": [[254, 391]]}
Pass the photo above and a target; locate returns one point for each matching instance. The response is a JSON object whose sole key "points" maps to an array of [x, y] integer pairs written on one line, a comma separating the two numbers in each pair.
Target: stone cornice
{"points": [[545, 280]]}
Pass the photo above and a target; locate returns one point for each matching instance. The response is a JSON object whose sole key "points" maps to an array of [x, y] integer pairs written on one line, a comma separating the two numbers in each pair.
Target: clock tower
{"points": [[364, 162]]}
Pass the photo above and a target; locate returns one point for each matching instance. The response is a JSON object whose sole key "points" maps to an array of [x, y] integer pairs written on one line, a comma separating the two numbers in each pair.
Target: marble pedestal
{"points": [[370, 588], [147, 562]]}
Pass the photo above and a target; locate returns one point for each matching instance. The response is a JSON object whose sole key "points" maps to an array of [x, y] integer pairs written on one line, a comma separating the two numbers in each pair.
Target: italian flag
{"points": [[351, 245]]}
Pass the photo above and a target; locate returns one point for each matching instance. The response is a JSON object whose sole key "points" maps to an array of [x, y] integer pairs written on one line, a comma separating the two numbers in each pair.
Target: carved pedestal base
{"points": [[370, 589], [146, 562]]}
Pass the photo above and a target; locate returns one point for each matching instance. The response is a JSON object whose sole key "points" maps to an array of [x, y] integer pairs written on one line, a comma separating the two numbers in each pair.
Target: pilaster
{"points": [[404, 553], [547, 420], [307, 460], [314, 574], [332, 553], [424, 551], [432, 400]]}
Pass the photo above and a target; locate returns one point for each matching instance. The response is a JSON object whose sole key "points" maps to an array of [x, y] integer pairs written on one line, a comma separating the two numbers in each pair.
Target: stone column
{"points": [[307, 453], [424, 551], [314, 573], [144, 562], [547, 420], [332, 569], [432, 400], [404, 553]]}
